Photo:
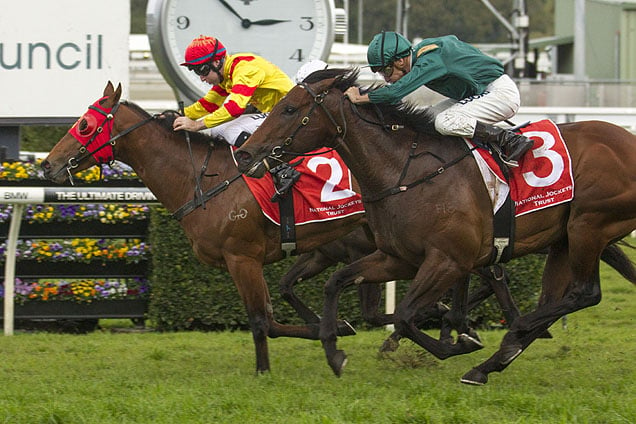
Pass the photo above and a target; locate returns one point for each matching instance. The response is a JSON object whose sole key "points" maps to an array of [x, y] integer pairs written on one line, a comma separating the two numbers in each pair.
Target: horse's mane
{"points": [[166, 124], [408, 114]]}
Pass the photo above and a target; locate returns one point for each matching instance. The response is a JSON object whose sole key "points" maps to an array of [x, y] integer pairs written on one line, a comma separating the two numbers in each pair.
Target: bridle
{"points": [[341, 130], [84, 153], [200, 197]]}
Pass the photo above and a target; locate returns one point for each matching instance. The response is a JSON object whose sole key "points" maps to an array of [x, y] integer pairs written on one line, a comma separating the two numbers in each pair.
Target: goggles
{"points": [[386, 70], [202, 69]]}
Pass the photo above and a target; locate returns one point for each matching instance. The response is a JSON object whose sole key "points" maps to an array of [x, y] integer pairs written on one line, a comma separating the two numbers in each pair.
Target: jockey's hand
{"points": [[353, 93], [185, 123]]}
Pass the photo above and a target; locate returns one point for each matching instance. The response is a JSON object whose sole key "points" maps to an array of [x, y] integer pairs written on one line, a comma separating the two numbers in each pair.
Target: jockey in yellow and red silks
{"points": [[237, 81]]}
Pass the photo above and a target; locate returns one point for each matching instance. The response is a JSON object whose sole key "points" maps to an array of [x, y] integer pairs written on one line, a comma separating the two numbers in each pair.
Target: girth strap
{"points": [[197, 202], [503, 223]]}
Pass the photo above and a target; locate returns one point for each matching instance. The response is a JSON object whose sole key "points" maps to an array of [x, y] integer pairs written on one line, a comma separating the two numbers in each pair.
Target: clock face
{"points": [[285, 32]]}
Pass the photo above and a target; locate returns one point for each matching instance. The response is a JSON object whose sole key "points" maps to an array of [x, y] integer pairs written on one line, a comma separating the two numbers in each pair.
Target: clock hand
{"points": [[231, 9], [246, 23], [267, 21]]}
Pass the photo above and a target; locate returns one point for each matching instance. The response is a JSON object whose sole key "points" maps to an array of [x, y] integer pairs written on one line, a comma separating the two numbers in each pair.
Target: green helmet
{"points": [[385, 48]]}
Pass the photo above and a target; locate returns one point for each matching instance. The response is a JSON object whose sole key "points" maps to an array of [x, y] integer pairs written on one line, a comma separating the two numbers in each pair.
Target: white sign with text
{"points": [[56, 56]]}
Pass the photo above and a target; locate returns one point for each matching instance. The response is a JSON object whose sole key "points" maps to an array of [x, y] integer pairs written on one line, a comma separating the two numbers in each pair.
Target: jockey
{"points": [[478, 92], [237, 81]]}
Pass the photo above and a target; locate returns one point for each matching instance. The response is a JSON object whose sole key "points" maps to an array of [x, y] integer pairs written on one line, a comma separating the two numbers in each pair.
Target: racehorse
{"points": [[430, 211], [229, 233]]}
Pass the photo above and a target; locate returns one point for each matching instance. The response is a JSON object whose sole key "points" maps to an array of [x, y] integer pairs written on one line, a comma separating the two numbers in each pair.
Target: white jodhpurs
{"points": [[235, 129], [500, 101]]}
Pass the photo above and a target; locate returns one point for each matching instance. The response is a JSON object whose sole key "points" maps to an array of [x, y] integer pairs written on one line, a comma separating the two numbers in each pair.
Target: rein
{"points": [[341, 132], [199, 196]]}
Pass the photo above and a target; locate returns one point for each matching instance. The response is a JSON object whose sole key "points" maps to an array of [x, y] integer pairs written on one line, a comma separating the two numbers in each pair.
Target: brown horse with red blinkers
{"points": [[444, 226], [230, 232]]}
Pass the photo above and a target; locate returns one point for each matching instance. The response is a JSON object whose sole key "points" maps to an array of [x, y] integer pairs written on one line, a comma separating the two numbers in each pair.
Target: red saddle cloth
{"points": [[323, 192], [544, 176]]}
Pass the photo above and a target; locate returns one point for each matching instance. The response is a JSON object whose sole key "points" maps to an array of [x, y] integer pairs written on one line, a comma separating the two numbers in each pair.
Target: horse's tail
{"points": [[614, 256]]}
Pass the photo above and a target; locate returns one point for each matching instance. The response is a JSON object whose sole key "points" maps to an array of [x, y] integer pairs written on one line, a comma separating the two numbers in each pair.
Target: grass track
{"points": [[585, 374]]}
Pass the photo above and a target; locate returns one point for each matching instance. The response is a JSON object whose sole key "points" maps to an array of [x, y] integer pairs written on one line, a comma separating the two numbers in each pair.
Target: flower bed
{"points": [[104, 213], [20, 171], [98, 276], [79, 291], [80, 250]]}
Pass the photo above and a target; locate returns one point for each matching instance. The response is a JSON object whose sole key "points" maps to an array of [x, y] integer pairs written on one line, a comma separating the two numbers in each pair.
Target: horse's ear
{"points": [[117, 94], [108, 91]]}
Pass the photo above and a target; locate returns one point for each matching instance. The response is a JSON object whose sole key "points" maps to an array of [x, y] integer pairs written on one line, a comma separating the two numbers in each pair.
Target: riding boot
{"points": [[512, 145]]}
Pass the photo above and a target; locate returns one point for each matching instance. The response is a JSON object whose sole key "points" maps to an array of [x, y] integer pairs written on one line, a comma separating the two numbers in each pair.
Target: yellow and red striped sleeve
{"points": [[208, 104], [243, 76]]}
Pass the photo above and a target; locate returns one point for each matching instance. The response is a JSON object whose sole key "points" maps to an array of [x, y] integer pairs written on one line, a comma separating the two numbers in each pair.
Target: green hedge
{"points": [[188, 295]]}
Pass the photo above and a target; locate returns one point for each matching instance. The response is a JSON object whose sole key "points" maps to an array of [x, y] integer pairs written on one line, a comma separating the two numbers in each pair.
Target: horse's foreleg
{"points": [[247, 274], [370, 299], [376, 268], [436, 275], [456, 317]]}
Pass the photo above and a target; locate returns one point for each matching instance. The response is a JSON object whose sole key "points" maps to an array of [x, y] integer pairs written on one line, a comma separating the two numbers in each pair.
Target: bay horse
{"points": [[430, 211], [230, 233]]}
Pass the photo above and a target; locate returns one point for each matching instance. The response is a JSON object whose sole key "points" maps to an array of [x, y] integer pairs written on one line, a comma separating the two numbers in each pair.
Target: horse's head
{"points": [[88, 142], [308, 117]]}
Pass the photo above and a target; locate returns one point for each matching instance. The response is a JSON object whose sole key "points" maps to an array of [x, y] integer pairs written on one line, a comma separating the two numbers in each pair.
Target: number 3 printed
{"points": [[544, 152], [329, 192]]}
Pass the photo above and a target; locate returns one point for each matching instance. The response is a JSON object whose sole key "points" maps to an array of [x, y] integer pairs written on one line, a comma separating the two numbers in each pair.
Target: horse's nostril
{"points": [[45, 165], [242, 157]]}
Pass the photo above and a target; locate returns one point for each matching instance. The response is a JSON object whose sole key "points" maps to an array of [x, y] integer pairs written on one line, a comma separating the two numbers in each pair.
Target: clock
{"points": [[288, 33]]}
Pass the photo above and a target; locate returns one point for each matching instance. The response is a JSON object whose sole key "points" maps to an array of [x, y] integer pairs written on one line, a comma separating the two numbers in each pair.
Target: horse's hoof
{"points": [[509, 353], [448, 341], [545, 335], [472, 333], [337, 362], [475, 378], [345, 329], [390, 345], [470, 344]]}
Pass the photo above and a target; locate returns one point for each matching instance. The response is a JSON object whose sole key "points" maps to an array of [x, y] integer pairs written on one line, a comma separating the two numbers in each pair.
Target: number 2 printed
{"points": [[329, 192]]}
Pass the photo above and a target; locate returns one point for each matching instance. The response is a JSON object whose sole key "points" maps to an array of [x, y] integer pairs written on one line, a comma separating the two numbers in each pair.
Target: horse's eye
{"points": [[289, 110]]}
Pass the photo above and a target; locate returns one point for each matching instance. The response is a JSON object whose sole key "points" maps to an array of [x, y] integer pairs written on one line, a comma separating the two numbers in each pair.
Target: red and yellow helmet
{"points": [[203, 49]]}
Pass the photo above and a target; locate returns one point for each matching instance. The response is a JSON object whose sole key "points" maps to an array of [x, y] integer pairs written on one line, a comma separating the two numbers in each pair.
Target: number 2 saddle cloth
{"points": [[323, 192]]}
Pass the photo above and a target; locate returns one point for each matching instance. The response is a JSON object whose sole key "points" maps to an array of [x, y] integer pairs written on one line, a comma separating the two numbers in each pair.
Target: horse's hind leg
{"points": [[306, 266], [247, 274], [565, 291]]}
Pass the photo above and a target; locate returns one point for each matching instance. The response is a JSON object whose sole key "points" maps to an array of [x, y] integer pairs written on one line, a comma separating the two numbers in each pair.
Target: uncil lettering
{"points": [[41, 55]]}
